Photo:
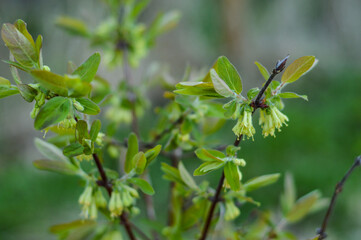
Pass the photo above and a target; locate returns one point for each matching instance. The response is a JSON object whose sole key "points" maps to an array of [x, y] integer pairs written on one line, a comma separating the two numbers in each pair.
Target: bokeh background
{"points": [[319, 145]]}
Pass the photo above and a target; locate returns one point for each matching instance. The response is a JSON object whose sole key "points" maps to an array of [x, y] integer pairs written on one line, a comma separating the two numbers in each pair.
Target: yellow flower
{"points": [[270, 119], [244, 125]]}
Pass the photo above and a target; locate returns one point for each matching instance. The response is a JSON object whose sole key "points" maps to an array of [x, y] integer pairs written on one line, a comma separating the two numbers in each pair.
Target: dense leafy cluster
{"points": [[64, 104]]}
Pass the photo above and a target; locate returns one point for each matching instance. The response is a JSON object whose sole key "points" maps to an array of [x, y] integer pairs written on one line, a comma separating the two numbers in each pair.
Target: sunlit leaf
{"points": [[262, 70], [90, 107], [219, 85], [232, 176], [139, 162], [94, 129], [299, 67], [49, 150], [51, 81], [55, 166], [292, 95], [89, 68]]}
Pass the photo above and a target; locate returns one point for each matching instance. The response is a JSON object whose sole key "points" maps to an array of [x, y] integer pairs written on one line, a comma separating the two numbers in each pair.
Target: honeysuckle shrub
{"points": [[79, 114]]}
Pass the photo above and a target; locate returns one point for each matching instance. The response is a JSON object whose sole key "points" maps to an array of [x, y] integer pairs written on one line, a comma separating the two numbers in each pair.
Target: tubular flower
{"points": [[244, 125], [115, 204], [231, 211], [270, 119], [89, 208]]}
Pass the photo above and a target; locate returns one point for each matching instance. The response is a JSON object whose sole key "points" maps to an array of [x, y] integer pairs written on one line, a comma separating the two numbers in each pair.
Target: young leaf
{"points": [[208, 167], [22, 49], [299, 67], [4, 81], [232, 176], [186, 177], [90, 107], [292, 95], [143, 185], [219, 85], [89, 68], [82, 130], [252, 93], [27, 92], [51, 81], [151, 154], [302, 206], [230, 108], [229, 74], [49, 150], [261, 181], [133, 149], [6, 90], [94, 130], [55, 166], [21, 26], [74, 149], [288, 197], [60, 228], [72, 25], [139, 162], [54, 111], [262, 70], [209, 154], [171, 173], [198, 89]]}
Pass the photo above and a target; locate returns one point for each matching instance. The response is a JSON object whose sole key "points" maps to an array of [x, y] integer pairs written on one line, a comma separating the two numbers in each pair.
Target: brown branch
{"points": [[255, 104], [338, 189], [106, 184]]}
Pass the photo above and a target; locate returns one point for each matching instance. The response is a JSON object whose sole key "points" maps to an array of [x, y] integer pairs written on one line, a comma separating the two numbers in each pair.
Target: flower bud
{"points": [[115, 204], [100, 199], [86, 197]]}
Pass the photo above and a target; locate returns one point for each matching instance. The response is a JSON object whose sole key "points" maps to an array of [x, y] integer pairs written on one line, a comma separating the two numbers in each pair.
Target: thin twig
{"points": [[256, 104], [339, 186], [105, 183]]}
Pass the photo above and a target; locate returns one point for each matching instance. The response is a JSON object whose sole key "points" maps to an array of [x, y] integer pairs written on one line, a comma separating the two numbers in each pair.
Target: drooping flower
{"points": [[270, 119], [115, 204], [232, 211], [244, 125]]}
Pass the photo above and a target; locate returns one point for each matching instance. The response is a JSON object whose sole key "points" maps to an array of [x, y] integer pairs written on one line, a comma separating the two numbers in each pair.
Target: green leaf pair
{"points": [[222, 81], [138, 160]]}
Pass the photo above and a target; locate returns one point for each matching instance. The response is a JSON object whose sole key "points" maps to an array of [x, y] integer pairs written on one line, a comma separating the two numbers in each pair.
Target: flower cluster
{"points": [[271, 118], [244, 125], [121, 199], [90, 200]]}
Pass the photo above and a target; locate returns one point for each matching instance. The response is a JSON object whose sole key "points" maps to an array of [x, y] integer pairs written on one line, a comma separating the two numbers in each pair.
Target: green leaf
{"points": [[288, 197], [27, 92], [261, 181], [74, 149], [151, 154], [198, 89], [232, 176], [82, 130], [54, 111], [302, 206], [90, 107], [208, 167], [292, 95], [19, 45], [209, 154], [171, 173], [143, 185], [262, 70], [219, 85], [161, 24], [89, 68], [231, 108], [6, 90], [51, 81], [95, 129], [299, 67], [133, 149], [228, 73], [252, 93], [139, 162], [76, 87], [4, 81], [72, 25], [21, 26], [59, 228], [49, 150], [56, 166], [186, 177]]}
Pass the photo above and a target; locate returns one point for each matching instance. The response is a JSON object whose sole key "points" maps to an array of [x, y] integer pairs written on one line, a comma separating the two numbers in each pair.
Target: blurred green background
{"points": [[318, 146]]}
